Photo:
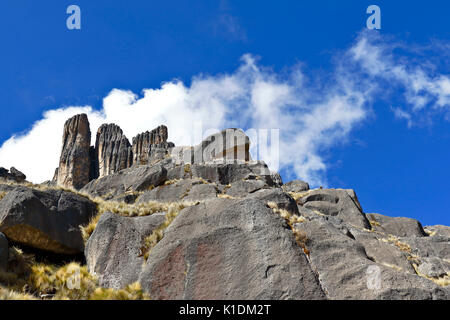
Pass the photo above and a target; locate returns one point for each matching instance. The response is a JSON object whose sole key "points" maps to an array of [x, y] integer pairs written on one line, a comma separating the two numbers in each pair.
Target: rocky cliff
{"points": [[207, 222]]}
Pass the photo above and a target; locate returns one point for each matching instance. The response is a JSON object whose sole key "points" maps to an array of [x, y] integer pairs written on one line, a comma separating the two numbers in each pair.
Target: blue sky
{"points": [[391, 148]]}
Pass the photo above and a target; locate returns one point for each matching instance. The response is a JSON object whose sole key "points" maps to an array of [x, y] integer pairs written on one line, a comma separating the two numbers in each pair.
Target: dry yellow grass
{"points": [[3, 194], [441, 281], [128, 210], [68, 282], [292, 219], [374, 223], [298, 195], [399, 244], [225, 196], [131, 292], [8, 294]]}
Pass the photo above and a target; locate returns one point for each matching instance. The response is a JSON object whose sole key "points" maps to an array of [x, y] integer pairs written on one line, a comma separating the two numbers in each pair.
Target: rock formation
{"points": [[112, 150], [75, 161], [150, 146], [13, 175], [207, 222], [226, 146]]}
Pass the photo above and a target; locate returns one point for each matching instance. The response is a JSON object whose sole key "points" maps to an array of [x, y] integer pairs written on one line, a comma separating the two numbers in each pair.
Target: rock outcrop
{"points": [[225, 146], [112, 150], [296, 186], [151, 146], [12, 175], [47, 220], [75, 161], [140, 178], [81, 163], [207, 222]]}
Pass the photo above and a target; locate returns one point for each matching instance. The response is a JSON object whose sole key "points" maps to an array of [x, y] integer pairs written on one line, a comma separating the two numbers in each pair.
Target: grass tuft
{"points": [[127, 210], [292, 219], [3, 194], [152, 240]]}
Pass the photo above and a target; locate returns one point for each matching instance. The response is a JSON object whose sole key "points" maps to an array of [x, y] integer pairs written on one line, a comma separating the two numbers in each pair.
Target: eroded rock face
{"points": [[350, 269], [75, 161], [47, 220], [229, 249], [113, 250], [150, 145], [112, 150]]}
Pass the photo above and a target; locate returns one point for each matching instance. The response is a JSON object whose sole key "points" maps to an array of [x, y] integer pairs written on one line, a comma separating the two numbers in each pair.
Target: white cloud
{"points": [[404, 115], [423, 88], [312, 114]]}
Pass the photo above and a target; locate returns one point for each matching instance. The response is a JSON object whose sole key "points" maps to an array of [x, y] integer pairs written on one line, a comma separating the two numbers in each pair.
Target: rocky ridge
{"points": [[207, 222]]}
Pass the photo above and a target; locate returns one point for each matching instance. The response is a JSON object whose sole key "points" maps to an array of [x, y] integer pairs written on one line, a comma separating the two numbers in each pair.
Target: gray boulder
{"points": [[296, 186], [400, 227], [17, 175], [173, 192], [136, 178], [243, 187], [281, 198], [229, 249], [47, 220], [336, 202], [12, 175], [4, 252], [113, 251]]}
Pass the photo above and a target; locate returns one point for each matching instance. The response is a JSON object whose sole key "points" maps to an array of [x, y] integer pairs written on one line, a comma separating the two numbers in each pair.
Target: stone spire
{"points": [[112, 150], [74, 162]]}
